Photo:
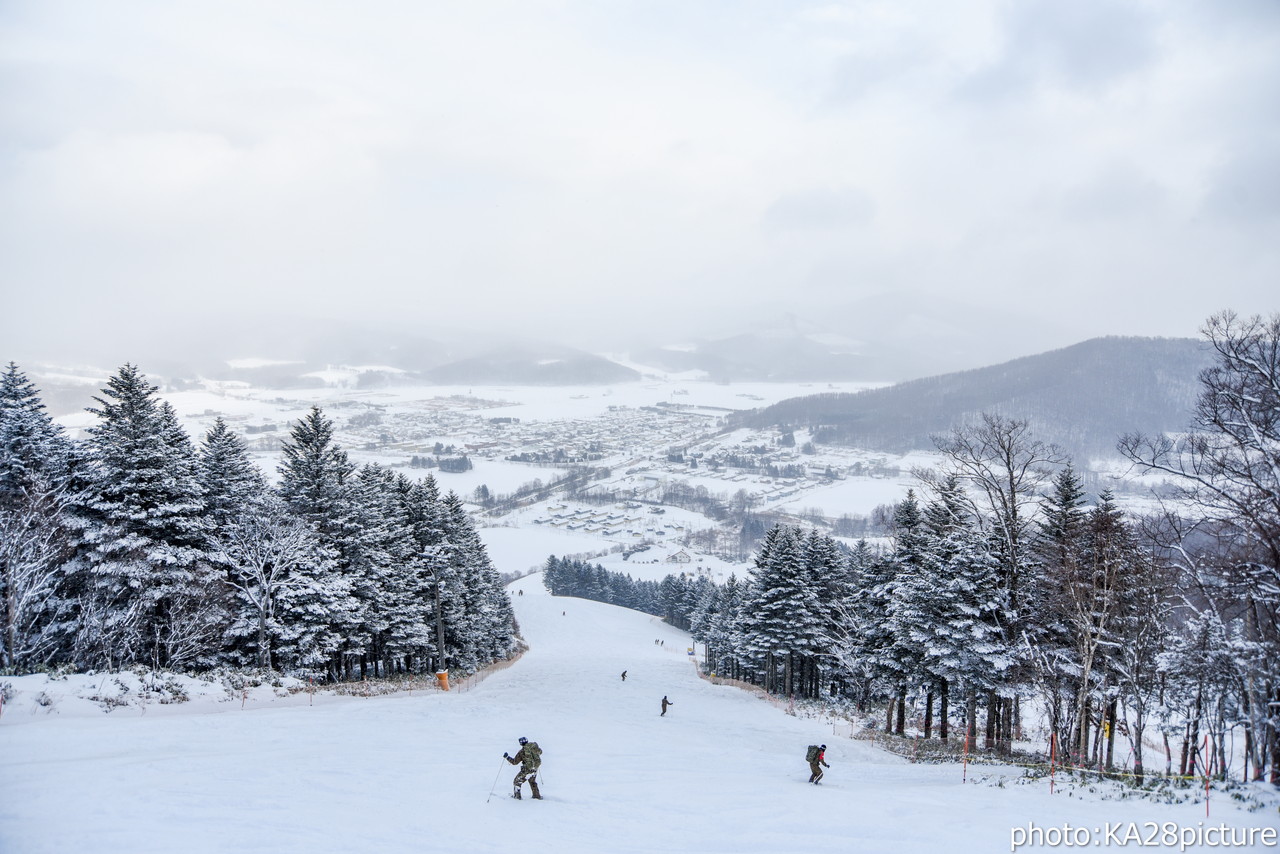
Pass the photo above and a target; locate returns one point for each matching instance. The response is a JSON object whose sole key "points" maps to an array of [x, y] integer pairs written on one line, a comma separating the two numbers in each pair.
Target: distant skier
{"points": [[816, 756], [624, 676], [665, 703], [528, 757]]}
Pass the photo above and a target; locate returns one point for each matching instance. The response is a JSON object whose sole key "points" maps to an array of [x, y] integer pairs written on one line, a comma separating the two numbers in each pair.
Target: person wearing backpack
{"points": [[816, 756], [528, 757], [665, 703]]}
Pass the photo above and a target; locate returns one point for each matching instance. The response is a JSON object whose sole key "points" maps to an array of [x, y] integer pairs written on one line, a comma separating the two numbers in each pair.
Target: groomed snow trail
{"points": [[722, 772]]}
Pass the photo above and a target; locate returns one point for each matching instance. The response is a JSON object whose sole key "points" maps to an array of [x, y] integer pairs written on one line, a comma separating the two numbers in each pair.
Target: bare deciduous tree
{"points": [[32, 539], [1228, 470]]}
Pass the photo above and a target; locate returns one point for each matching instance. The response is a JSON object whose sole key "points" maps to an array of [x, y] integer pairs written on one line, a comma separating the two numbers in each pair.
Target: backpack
{"points": [[535, 753], [812, 754]]}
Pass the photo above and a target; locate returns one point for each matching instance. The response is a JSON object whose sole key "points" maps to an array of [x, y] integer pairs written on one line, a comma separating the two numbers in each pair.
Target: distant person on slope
{"points": [[624, 676], [665, 703], [528, 757], [815, 755]]}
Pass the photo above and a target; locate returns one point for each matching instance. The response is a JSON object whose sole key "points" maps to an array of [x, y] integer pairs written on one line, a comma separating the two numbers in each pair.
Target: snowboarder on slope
{"points": [[665, 703], [624, 676], [528, 757], [816, 757]]}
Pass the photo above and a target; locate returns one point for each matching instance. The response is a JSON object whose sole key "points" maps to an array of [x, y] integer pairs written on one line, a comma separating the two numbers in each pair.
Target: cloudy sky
{"points": [[1092, 166]]}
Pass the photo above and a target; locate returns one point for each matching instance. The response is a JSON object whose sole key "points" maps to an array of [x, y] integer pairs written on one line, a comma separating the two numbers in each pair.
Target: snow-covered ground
{"points": [[723, 771]]}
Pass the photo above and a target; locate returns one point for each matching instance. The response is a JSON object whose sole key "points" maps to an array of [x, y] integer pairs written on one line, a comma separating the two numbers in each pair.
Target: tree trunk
{"points": [[1139, 728], [902, 710], [263, 653], [943, 711], [1194, 735], [928, 714], [1111, 735], [1082, 742], [1006, 725], [989, 739]]}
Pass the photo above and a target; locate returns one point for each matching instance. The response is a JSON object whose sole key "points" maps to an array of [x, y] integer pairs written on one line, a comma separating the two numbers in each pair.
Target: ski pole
{"points": [[495, 782]]}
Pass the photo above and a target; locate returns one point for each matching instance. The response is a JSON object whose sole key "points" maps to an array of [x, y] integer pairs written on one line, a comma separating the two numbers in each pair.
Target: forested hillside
{"points": [[1082, 397]]}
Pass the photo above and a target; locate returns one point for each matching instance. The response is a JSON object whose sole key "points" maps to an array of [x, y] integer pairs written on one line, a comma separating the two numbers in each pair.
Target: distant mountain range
{"points": [[1082, 397]]}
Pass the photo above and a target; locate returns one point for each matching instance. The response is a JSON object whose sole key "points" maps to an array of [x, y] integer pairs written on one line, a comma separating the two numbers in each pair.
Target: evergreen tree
{"points": [[1059, 549], [316, 483], [149, 593], [33, 449], [780, 619], [232, 484]]}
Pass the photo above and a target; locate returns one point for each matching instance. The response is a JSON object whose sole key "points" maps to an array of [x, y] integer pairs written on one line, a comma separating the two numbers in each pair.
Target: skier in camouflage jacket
{"points": [[528, 757]]}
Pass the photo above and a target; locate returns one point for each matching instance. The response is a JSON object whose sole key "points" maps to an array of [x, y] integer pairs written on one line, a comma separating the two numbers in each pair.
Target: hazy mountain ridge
{"points": [[1082, 397], [754, 357], [533, 366], [887, 337]]}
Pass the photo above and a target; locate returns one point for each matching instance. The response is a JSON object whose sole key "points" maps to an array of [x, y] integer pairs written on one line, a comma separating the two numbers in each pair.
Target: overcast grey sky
{"points": [[1104, 166]]}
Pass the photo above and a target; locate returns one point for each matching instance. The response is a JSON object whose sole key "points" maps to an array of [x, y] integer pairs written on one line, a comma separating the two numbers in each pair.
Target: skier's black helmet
{"points": [[524, 740], [822, 746]]}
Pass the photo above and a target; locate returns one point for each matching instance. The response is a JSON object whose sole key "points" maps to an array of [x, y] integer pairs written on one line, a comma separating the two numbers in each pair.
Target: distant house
{"points": [[679, 557]]}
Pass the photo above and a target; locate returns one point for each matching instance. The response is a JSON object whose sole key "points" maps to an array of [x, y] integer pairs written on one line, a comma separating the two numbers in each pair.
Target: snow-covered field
{"points": [[722, 772]]}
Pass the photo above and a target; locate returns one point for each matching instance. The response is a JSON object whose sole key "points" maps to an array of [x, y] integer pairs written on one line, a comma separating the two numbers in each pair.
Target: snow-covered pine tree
{"points": [[958, 612], [703, 619], [780, 620], [409, 634], [724, 634], [316, 483], [1143, 633], [828, 571], [148, 591], [464, 624], [232, 483], [911, 574], [489, 618], [378, 561], [1097, 597], [33, 448], [1058, 545]]}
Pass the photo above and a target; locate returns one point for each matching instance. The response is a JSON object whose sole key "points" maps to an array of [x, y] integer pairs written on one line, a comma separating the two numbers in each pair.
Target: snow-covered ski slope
{"points": [[722, 772]]}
